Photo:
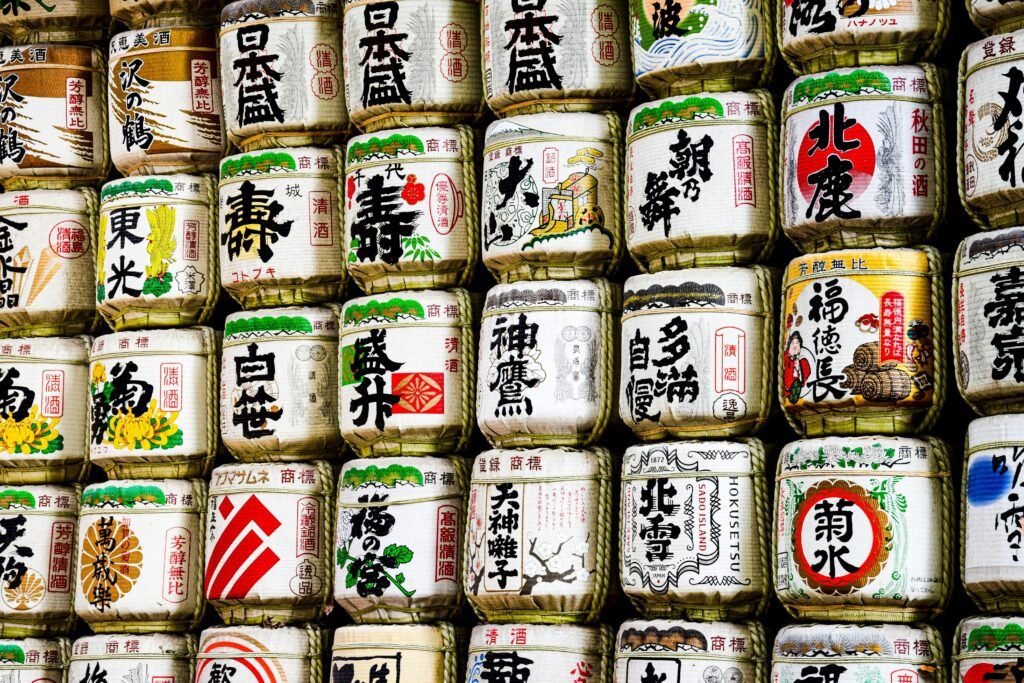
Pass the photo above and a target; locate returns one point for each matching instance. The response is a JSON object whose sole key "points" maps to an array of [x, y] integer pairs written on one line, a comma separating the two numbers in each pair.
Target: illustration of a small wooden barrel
{"points": [[545, 55], [989, 365], [258, 653], [552, 196], [986, 648], [430, 652], [539, 539], [696, 353], [45, 425], [864, 529], [545, 652], [140, 555], [690, 651], [148, 13], [282, 573], [407, 364], [993, 17], [991, 556], [991, 177], [157, 251], [153, 395], [700, 180], [729, 48], [35, 659], [818, 36], [47, 245], [36, 588], [864, 158], [885, 652], [862, 341], [412, 211], [58, 21], [281, 73], [279, 225], [279, 384], [412, 63], [156, 658], [53, 116], [552, 385], [691, 533], [164, 102], [400, 528]]}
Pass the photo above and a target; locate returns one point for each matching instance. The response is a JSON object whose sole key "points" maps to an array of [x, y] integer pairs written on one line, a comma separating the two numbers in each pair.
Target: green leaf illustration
{"points": [[401, 554]]}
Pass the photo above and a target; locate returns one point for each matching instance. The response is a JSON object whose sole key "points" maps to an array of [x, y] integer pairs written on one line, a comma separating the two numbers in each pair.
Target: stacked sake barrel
{"points": [[988, 358], [863, 514]]}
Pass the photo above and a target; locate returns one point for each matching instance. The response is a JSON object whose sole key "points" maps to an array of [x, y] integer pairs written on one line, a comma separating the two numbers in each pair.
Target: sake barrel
{"points": [[157, 251], [35, 659], [47, 245], [991, 177], [990, 547], [864, 529], [700, 180], [44, 433], [154, 403], [986, 648], [140, 555], [412, 63], [730, 48], [989, 365], [690, 651], [818, 36], [552, 196], [279, 379], [427, 653], [545, 55], [862, 342], [408, 370], [412, 211], [696, 353], [841, 653], [38, 558], [538, 546], [165, 107], [691, 529], [549, 385], [279, 516], [993, 17], [281, 72], [279, 221], [253, 654], [400, 528], [145, 13], [59, 21], [53, 118], [160, 658], [543, 653], [864, 158]]}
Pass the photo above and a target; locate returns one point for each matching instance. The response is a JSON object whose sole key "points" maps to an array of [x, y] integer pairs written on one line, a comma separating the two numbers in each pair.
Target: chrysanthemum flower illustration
{"points": [[110, 563]]}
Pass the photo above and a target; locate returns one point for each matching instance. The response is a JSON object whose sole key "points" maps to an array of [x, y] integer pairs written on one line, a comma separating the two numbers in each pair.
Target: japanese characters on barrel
{"points": [[124, 657], [432, 652]]}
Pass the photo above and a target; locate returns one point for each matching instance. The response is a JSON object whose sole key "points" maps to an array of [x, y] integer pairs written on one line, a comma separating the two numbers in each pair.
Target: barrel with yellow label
{"points": [[434, 653]]}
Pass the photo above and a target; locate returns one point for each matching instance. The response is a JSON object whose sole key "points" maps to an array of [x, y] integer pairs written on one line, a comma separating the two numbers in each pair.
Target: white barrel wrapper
{"points": [[700, 180], [267, 547], [538, 544], [44, 433], [37, 587], [140, 555], [550, 653], [682, 651], [257, 654], [279, 384], [400, 529], [691, 531], [417, 653], [552, 196], [157, 658], [695, 352], [864, 528], [407, 373], [545, 374], [153, 397], [35, 659]]}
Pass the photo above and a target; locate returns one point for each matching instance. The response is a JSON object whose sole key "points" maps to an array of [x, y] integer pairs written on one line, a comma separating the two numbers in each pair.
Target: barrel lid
{"points": [[689, 639], [988, 250], [862, 455], [908, 83], [55, 55], [308, 478], [889, 642], [222, 642], [404, 144], [162, 38], [703, 289], [72, 350], [542, 464], [49, 201], [699, 108], [431, 637], [293, 322], [129, 495], [427, 308], [588, 295], [995, 431], [534, 128], [692, 459], [247, 10], [144, 189], [587, 640], [278, 163], [859, 262], [990, 635], [52, 653], [991, 49], [188, 341], [40, 498], [401, 479], [130, 646]]}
